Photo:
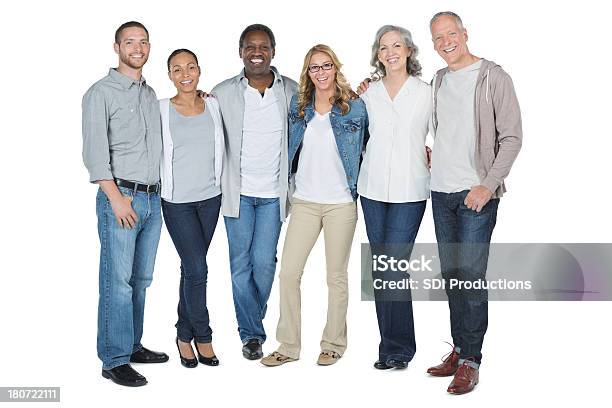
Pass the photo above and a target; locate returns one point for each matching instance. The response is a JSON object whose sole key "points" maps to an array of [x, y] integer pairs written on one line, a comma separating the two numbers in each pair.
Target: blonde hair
{"points": [[342, 88]]}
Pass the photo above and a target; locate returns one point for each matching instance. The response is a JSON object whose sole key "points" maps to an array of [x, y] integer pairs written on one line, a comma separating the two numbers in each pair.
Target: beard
{"points": [[131, 63]]}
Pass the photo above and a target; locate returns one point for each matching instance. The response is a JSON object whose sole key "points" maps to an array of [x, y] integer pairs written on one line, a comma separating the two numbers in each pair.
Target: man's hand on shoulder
{"points": [[203, 94]]}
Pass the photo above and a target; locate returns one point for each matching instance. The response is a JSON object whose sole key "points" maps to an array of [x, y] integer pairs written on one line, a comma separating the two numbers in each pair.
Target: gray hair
{"points": [[449, 14], [412, 64]]}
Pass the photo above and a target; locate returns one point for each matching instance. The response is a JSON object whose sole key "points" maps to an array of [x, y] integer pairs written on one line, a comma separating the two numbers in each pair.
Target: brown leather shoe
{"points": [[449, 365], [465, 379]]}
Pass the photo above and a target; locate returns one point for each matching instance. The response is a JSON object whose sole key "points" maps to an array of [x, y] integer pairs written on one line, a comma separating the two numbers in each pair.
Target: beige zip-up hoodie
{"points": [[499, 133]]}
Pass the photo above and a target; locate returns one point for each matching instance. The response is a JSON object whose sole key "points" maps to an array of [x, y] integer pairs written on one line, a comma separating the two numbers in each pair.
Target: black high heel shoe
{"points": [[186, 362], [209, 361]]}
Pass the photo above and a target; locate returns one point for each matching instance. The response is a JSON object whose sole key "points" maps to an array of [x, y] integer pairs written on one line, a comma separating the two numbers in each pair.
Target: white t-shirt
{"points": [[320, 176], [394, 168], [453, 166], [261, 144]]}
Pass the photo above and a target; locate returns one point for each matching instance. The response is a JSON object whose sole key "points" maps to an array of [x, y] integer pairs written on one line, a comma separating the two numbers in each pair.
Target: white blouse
{"points": [[394, 167]]}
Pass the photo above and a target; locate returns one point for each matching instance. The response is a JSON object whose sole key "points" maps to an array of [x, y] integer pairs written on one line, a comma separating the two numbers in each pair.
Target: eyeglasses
{"points": [[315, 68]]}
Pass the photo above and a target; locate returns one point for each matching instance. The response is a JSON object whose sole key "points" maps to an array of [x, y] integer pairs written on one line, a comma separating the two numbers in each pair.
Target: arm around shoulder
{"points": [[291, 87]]}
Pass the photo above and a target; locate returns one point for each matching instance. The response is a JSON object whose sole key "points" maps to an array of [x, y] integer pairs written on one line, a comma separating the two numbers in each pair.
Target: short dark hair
{"points": [[128, 25], [257, 27], [180, 51]]}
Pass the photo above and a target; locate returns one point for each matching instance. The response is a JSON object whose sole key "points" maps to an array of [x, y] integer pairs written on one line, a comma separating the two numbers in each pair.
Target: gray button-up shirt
{"points": [[121, 130], [230, 95]]}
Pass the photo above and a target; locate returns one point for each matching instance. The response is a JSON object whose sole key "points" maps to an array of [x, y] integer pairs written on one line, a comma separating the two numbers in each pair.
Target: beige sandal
{"points": [[275, 359]]}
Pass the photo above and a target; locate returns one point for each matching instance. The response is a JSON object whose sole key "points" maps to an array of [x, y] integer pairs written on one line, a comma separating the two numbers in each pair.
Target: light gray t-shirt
{"points": [[193, 161], [452, 165]]}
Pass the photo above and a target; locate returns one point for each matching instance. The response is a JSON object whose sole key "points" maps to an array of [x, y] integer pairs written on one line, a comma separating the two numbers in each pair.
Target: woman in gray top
{"points": [[192, 139]]}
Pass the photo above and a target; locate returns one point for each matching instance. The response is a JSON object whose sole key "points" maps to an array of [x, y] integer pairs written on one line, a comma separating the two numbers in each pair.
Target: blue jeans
{"points": [[191, 227], [392, 229], [463, 237], [127, 257], [252, 240]]}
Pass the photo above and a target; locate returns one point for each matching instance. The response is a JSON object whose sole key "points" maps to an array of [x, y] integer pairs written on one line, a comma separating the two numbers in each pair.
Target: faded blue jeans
{"points": [[127, 257], [252, 240]]}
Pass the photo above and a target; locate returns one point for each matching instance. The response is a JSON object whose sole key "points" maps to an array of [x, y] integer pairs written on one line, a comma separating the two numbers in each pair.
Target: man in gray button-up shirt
{"points": [[121, 130], [254, 214], [122, 151]]}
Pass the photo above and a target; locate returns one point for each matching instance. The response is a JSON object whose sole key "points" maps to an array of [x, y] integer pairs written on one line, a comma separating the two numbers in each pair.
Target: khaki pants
{"points": [[338, 223]]}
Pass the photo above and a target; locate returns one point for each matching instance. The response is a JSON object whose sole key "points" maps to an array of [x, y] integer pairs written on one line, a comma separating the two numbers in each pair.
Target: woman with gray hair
{"points": [[394, 179]]}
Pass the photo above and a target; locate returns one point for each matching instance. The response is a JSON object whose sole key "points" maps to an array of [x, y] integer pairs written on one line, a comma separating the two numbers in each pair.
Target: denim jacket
{"points": [[350, 131]]}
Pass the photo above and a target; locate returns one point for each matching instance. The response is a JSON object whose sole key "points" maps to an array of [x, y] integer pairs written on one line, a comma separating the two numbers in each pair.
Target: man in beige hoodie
{"points": [[477, 131]]}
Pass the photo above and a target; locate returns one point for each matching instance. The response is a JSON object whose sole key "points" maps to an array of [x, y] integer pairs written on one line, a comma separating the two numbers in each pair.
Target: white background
{"points": [[555, 353]]}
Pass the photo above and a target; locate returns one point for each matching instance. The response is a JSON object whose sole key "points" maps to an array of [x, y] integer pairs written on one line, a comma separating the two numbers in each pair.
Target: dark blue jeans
{"points": [[191, 227], [463, 244], [392, 227]]}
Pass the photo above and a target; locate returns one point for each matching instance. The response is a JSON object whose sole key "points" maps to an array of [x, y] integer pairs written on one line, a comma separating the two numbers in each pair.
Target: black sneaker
{"points": [[252, 350]]}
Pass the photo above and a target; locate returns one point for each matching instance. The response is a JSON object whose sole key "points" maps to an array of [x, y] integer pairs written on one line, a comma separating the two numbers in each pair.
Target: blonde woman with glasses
{"points": [[326, 134]]}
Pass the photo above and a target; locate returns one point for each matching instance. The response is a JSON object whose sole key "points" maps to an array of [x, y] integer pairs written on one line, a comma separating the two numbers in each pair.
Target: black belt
{"points": [[149, 189]]}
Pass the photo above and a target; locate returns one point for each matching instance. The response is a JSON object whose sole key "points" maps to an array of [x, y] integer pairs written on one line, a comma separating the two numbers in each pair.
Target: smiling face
{"points": [[323, 80], [184, 72], [257, 53], [133, 47], [450, 41], [393, 52]]}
